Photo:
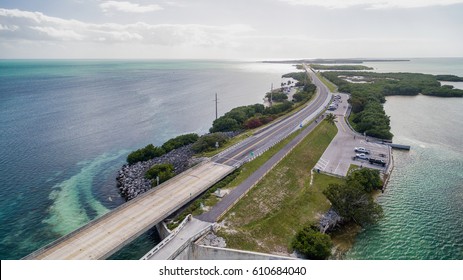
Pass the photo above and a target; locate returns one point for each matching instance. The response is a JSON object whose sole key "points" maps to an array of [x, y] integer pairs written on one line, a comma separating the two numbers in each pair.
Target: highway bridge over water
{"points": [[107, 234]]}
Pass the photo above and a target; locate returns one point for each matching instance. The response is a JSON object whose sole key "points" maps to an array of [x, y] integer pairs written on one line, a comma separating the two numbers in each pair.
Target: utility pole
{"points": [[271, 95], [216, 100]]}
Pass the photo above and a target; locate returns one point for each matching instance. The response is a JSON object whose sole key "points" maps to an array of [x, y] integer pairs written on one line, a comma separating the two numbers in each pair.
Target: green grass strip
{"points": [[268, 217]]}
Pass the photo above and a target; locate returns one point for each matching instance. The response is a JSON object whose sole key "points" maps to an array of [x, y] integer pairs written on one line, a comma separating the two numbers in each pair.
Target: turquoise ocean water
{"points": [[68, 125], [423, 203]]}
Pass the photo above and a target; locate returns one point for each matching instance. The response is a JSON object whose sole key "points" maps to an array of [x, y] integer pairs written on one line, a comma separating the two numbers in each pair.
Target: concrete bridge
{"points": [[106, 235]]}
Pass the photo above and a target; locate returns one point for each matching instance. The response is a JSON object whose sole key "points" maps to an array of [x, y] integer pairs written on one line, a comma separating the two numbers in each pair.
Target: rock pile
{"points": [[329, 220], [213, 240], [131, 179]]}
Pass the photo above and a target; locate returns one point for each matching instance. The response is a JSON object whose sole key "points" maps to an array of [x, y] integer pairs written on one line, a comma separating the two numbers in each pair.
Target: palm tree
{"points": [[330, 118]]}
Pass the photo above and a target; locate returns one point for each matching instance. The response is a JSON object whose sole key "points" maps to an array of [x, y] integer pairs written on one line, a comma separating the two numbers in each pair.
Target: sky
{"points": [[230, 29]]}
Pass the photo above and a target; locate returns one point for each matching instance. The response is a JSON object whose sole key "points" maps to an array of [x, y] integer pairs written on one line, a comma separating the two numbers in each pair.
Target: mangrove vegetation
{"points": [[368, 91]]}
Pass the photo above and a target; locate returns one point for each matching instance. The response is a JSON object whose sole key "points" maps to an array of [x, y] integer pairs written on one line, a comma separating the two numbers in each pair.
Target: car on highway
{"points": [[361, 150], [361, 156]]}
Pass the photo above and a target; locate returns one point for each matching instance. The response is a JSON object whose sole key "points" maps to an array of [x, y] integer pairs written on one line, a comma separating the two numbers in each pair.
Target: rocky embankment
{"points": [[131, 179]]}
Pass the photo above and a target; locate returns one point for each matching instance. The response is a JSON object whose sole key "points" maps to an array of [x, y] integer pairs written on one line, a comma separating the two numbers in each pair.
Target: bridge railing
{"points": [[166, 240], [190, 240]]}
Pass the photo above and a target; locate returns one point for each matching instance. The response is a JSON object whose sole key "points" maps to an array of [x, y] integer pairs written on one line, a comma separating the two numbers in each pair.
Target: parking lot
{"points": [[340, 154]]}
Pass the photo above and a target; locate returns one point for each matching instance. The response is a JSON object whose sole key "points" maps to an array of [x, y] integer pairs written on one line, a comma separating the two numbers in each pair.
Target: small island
{"points": [[340, 67], [332, 61], [368, 92]]}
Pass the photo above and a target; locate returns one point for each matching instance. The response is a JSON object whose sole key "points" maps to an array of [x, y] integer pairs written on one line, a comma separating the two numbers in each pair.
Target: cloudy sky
{"points": [[230, 29]]}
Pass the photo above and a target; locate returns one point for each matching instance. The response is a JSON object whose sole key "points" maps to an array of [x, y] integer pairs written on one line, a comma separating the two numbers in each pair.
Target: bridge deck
{"points": [[112, 231]]}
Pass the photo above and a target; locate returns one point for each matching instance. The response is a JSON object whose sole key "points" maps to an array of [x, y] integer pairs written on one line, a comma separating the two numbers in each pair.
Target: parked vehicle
{"points": [[377, 161], [361, 150], [361, 156]]}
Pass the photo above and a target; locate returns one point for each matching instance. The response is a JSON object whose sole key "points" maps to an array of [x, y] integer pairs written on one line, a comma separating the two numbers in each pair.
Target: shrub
{"points": [[352, 203], [278, 108], [224, 124], [368, 178], [277, 96], [164, 171], [179, 141], [312, 244], [253, 123], [146, 153], [208, 142]]}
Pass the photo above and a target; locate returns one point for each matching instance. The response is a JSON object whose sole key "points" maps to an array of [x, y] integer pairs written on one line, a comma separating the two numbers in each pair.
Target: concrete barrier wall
{"points": [[163, 230], [200, 252]]}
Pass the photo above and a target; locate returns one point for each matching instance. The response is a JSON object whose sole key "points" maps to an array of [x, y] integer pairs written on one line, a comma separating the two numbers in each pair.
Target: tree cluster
{"points": [[144, 154], [312, 244], [301, 77], [164, 171], [235, 118], [340, 67], [369, 179], [208, 142], [443, 91], [352, 200], [180, 141], [449, 78], [249, 117], [367, 98], [276, 96], [253, 116], [373, 121], [151, 151]]}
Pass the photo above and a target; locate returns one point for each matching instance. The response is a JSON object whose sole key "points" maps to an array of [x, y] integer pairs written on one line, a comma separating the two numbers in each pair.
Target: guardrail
{"points": [[189, 240], [166, 240]]}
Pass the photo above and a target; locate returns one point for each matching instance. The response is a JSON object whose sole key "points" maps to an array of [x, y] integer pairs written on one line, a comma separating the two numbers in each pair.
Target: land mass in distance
{"points": [[333, 61]]}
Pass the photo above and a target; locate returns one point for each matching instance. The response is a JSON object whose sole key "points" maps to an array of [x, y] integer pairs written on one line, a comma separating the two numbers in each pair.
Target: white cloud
{"points": [[128, 7], [373, 4], [35, 26], [8, 27], [176, 4], [58, 33]]}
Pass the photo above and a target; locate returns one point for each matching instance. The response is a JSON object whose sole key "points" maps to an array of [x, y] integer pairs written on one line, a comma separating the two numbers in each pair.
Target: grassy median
{"points": [[268, 217], [332, 87]]}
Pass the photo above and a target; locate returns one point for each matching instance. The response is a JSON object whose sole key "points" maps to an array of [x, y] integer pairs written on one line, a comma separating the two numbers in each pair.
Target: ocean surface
{"points": [[423, 203], [67, 126]]}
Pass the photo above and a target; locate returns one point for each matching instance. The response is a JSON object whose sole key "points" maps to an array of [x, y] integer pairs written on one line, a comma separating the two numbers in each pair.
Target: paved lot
{"points": [[338, 156]]}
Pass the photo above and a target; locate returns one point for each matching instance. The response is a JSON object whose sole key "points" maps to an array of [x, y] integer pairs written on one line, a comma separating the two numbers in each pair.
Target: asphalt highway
{"points": [[272, 134]]}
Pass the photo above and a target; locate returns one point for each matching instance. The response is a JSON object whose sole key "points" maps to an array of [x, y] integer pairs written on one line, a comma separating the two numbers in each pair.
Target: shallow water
{"points": [[68, 125], [423, 203]]}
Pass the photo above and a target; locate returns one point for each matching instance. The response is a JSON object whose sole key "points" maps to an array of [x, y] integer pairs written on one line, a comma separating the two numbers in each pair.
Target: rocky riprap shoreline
{"points": [[131, 179]]}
